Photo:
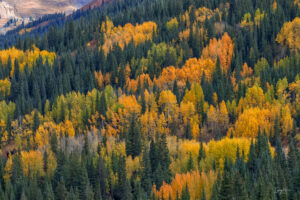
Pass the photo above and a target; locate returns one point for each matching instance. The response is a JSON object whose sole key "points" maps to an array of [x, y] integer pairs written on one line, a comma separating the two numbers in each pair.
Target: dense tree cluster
{"points": [[163, 99]]}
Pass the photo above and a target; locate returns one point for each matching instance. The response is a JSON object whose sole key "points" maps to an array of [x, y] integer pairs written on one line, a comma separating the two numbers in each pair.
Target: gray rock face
{"points": [[19, 11], [6, 10]]}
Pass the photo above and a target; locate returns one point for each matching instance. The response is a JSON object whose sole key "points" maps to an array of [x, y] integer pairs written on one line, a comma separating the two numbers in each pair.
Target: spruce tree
{"points": [[146, 181], [190, 163], [133, 139], [103, 104], [185, 194], [201, 154], [226, 189]]}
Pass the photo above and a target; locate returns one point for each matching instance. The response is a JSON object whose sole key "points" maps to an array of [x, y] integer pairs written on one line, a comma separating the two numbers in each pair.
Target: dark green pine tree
{"points": [[45, 163], [143, 102], [158, 176], [240, 191], [123, 189], [72, 195], [252, 157], [61, 191], [280, 156], [190, 163], [133, 139], [277, 131], [153, 154], [188, 131], [103, 104], [138, 193], [293, 167], [76, 174], [53, 142], [36, 120], [226, 189], [201, 154], [146, 181], [17, 171], [101, 177], [48, 192], [164, 157], [88, 192], [62, 114], [185, 194], [176, 91]]}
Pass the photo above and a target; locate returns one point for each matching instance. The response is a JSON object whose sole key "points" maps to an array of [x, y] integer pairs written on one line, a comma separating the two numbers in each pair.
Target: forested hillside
{"points": [[160, 99]]}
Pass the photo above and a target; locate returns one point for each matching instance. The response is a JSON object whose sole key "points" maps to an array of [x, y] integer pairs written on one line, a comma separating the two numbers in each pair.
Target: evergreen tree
{"points": [[61, 191], [48, 192], [201, 154], [36, 121], [133, 139], [146, 181], [185, 194], [103, 104], [226, 188], [190, 164]]}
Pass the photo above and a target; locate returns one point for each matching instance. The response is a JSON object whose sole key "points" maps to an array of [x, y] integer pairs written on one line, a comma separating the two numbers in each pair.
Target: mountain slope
{"points": [[32, 9]]}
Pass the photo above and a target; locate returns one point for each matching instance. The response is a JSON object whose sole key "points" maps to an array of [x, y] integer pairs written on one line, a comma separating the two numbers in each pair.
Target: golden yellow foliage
{"points": [[167, 101], [254, 97], [290, 34], [8, 169], [124, 35], [201, 15], [172, 24], [246, 22], [253, 119], [286, 120], [181, 150], [149, 123], [259, 16], [4, 88], [26, 58], [130, 104], [132, 166], [32, 163], [51, 164], [227, 147]]}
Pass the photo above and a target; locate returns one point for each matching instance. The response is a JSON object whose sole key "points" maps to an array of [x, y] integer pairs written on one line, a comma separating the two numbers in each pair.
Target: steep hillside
{"points": [[28, 10], [153, 100], [95, 3]]}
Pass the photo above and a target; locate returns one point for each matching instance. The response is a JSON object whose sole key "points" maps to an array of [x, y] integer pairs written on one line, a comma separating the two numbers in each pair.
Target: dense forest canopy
{"points": [[163, 99]]}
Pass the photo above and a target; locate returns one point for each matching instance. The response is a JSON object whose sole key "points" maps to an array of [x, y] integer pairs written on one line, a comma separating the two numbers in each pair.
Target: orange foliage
{"points": [[246, 71], [132, 84], [222, 48], [100, 79], [192, 70], [195, 182]]}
